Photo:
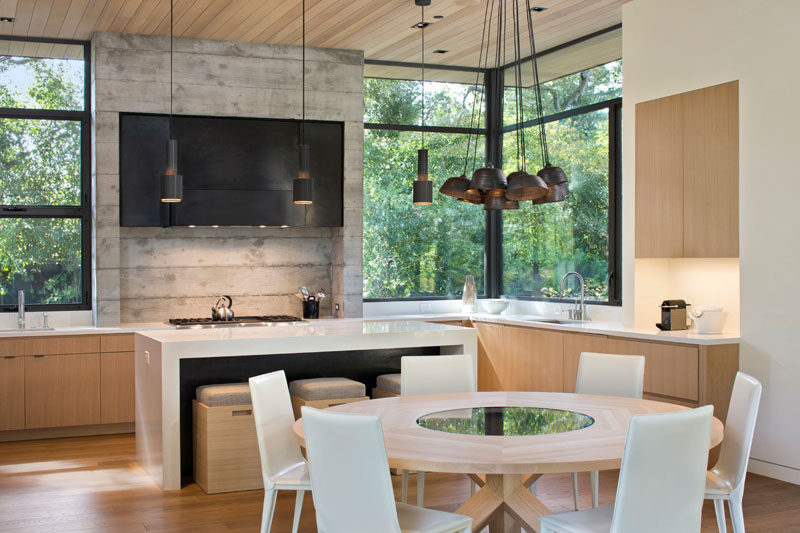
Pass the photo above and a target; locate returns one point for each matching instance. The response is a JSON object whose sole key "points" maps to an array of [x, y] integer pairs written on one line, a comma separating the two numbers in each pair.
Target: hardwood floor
{"points": [[94, 484]]}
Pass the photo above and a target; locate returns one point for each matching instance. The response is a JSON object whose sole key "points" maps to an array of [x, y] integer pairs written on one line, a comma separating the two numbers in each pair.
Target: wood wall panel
{"points": [[659, 178], [711, 171], [12, 392], [117, 399], [62, 390]]}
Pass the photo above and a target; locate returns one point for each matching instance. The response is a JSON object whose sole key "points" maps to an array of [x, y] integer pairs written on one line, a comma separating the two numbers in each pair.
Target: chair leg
{"points": [[298, 508], [737, 516], [420, 489], [719, 510], [575, 489], [404, 493], [269, 508], [595, 476]]}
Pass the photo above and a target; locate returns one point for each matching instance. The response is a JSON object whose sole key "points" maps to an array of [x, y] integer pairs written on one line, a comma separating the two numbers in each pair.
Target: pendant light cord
{"points": [[542, 132], [171, 15], [477, 79], [422, 27], [303, 123]]}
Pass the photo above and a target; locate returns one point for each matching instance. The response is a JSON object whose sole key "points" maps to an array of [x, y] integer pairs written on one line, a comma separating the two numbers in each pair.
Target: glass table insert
{"points": [[506, 421]]}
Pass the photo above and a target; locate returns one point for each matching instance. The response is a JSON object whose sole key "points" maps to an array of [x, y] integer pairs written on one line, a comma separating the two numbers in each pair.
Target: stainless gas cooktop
{"points": [[236, 322]]}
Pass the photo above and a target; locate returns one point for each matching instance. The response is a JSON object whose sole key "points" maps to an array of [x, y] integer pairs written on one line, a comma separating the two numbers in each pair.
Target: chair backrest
{"points": [[349, 470], [610, 375], [663, 475], [739, 427], [433, 374], [272, 412]]}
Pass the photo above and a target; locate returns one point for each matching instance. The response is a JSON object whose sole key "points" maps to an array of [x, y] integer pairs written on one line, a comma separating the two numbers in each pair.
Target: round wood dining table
{"points": [[505, 465]]}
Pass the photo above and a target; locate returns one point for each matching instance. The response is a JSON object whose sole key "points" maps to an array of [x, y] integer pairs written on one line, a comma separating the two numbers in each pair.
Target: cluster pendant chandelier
{"points": [[423, 187], [489, 186], [171, 181], [303, 185]]}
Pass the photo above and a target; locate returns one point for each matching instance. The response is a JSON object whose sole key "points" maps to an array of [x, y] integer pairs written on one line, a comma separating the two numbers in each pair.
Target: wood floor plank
{"points": [[93, 484]]}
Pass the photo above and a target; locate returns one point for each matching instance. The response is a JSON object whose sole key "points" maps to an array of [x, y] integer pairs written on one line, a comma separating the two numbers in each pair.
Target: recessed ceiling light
{"points": [[438, 16], [421, 24], [538, 9], [440, 51], [6, 19]]}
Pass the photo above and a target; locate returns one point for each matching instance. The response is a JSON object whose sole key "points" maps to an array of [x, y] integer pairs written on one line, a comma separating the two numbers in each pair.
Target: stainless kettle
{"points": [[222, 309]]}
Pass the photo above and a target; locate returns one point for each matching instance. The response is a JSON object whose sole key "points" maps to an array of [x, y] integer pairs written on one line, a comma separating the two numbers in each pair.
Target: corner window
{"points": [[45, 217]]}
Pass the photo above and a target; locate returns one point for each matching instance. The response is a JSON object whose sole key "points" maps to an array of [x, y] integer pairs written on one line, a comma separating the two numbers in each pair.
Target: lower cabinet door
{"points": [[116, 387], [62, 390], [12, 392]]}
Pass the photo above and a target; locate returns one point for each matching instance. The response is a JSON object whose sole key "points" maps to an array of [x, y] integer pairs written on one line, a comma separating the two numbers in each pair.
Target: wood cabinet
{"points": [[12, 392], [687, 174], [574, 345], [116, 387], [519, 358], [62, 390]]}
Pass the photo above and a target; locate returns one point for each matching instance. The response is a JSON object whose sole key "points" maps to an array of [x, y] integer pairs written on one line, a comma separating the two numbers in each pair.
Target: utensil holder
{"points": [[310, 309]]}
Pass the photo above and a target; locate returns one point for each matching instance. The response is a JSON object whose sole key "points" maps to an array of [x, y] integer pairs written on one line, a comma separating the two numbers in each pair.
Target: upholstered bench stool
{"points": [[386, 386], [226, 455], [325, 392]]}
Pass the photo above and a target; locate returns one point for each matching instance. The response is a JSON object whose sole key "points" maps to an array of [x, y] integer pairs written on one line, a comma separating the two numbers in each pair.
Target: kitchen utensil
{"points": [[321, 294], [708, 319], [222, 309], [494, 306], [304, 292], [673, 315], [299, 295]]}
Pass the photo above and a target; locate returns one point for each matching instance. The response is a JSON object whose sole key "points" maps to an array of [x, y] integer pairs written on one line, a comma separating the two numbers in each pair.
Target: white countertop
{"points": [[321, 327]]}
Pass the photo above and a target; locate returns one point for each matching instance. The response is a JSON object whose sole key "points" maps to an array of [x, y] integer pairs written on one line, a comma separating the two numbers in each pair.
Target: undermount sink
{"points": [[9, 330], [545, 320]]}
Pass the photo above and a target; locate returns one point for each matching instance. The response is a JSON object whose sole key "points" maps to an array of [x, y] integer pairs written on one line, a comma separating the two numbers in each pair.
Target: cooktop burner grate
{"points": [[242, 321]]}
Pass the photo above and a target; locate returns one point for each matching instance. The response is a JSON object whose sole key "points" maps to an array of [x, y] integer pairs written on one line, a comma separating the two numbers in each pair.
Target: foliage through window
{"points": [[44, 212]]}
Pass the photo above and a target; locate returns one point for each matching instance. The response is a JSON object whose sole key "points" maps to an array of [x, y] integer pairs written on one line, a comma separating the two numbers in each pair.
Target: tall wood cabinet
{"points": [[687, 174]]}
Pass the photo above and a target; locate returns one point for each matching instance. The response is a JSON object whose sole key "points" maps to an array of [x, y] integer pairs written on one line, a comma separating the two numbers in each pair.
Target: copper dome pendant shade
{"points": [[489, 185]]}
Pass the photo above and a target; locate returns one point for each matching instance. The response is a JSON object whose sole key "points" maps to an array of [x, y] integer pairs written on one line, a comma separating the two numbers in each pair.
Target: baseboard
{"points": [[72, 431], [775, 471]]}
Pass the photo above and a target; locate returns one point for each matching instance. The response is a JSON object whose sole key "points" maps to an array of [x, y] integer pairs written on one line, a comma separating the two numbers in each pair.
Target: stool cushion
{"points": [[224, 394], [326, 389], [389, 383]]}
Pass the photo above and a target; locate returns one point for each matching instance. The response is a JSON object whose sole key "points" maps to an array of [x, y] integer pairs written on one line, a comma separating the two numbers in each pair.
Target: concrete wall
{"points": [[681, 45], [151, 274]]}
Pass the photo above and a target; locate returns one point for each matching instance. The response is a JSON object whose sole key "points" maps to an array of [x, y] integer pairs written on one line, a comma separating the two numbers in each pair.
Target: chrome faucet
{"points": [[579, 313], [21, 309]]}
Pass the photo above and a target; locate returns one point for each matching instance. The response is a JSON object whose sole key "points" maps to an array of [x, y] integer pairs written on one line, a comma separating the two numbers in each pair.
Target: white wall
{"points": [[681, 45]]}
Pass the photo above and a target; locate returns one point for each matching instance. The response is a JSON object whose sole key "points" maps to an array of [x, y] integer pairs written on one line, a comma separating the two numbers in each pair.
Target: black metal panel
{"points": [[360, 365], [236, 171]]}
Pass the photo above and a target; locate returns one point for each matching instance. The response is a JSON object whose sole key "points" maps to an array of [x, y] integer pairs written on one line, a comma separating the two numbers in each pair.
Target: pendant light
{"points": [[489, 186], [303, 185], [171, 181], [423, 187]]}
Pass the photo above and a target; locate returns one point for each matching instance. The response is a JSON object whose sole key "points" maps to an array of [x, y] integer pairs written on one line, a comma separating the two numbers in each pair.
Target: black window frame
{"points": [[83, 212]]}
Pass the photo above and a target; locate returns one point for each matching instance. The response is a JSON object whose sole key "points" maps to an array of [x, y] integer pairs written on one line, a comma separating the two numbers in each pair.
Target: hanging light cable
{"points": [[171, 181], [303, 185], [423, 187]]}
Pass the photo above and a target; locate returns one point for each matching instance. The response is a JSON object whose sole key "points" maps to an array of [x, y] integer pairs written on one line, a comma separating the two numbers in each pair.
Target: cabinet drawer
{"points": [[117, 343], [9, 347], [71, 344], [62, 390], [669, 369]]}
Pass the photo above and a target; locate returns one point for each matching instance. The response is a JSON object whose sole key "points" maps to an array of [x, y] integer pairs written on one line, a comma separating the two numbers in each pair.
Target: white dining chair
{"points": [[282, 463], [433, 374], [725, 482], [607, 375], [352, 487], [661, 480]]}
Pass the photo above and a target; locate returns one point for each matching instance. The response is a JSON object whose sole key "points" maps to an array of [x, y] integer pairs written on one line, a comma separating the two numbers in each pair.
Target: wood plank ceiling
{"points": [[383, 29]]}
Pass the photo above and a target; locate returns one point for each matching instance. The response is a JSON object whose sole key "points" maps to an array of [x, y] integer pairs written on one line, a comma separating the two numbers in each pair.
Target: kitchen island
{"points": [[169, 364]]}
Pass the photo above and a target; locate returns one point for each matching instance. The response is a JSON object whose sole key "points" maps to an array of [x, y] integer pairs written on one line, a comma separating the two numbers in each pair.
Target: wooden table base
{"points": [[504, 503]]}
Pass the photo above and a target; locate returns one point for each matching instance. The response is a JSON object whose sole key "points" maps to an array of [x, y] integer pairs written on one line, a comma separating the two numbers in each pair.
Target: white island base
{"points": [[159, 355]]}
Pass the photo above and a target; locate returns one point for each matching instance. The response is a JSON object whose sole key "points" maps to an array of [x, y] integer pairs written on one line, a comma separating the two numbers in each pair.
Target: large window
{"points": [[44, 174], [414, 251]]}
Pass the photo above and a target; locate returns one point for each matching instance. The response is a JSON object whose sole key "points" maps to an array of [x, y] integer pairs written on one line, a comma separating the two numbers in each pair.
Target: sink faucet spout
{"points": [[579, 313]]}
